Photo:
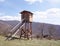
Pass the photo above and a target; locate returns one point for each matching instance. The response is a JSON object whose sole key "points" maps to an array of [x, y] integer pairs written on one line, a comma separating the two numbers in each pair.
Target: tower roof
{"points": [[26, 12]]}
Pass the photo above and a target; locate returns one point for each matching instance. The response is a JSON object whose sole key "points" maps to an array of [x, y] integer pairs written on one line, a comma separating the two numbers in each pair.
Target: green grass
{"points": [[33, 42]]}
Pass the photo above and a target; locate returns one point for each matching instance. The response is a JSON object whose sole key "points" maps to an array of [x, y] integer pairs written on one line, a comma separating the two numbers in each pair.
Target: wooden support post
{"points": [[25, 30], [30, 29]]}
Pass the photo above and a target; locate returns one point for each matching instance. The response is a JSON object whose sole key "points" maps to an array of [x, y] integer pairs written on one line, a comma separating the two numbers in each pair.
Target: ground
{"points": [[33, 42]]}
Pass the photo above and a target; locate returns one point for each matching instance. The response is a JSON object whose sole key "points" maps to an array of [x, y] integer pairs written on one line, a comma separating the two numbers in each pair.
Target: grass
{"points": [[33, 42]]}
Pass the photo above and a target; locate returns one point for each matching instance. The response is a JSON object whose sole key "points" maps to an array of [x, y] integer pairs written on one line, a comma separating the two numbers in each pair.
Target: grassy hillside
{"points": [[33, 42]]}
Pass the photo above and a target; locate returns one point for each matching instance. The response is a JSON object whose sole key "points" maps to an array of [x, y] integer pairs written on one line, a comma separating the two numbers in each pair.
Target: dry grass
{"points": [[33, 42]]}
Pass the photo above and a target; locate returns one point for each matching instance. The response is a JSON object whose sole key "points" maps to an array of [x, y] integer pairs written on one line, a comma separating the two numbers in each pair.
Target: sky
{"points": [[45, 11]]}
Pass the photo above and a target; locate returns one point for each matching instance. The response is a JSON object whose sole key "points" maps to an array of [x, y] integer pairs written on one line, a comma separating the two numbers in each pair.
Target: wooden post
{"points": [[30, 29]]}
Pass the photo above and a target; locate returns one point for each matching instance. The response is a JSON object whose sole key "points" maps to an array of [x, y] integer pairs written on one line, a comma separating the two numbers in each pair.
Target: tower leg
{"points": [[27, 31], [20, 33], [30, 29]]}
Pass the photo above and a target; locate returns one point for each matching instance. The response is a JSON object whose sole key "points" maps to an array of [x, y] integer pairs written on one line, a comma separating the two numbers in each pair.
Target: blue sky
{"points": [[46, 11]]}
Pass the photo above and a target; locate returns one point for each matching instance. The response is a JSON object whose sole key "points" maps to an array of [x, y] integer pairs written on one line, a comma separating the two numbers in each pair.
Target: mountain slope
{"points": [[4, 28], [37, 28]]}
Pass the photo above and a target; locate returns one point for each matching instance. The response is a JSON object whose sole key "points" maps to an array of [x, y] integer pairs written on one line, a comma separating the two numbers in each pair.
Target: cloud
{"points": [[54, 12], [33, 1], [41, 1], [53, 1], [39, 15], [51, 15], [10, 18], [2, 0], [3, 16]]}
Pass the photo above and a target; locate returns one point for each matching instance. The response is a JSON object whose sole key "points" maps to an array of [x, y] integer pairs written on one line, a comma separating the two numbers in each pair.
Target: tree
{"points": [[51, 30], [41, 27]]}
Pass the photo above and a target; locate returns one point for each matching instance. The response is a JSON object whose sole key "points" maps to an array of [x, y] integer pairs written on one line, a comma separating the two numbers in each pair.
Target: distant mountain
{"points": [[4, 27], [37, 28], [12, 23]]}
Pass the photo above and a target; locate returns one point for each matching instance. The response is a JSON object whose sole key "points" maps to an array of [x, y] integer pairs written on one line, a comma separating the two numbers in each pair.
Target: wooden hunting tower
{"points": [[27, 31], [25, 26]]}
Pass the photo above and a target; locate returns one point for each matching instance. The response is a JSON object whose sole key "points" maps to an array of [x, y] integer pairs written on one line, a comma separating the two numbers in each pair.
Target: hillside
{"points": [[36, 28], [4, 28]]}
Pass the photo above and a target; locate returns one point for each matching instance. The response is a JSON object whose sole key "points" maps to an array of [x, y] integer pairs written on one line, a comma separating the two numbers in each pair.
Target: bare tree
{"points": [[41, 28], [51, 30]]}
